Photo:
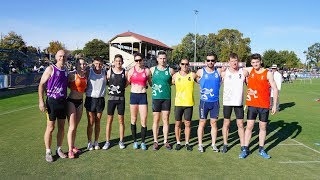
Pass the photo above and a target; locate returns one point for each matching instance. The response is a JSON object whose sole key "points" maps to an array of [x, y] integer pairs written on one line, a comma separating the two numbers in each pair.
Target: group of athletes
{"points": [[94, 81]]}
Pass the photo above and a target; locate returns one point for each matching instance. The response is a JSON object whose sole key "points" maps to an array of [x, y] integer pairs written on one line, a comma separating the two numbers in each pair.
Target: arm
{"points": [[44, 78], [275, 92], [199, 75], [71, 78], [149, 77], [223, 74], [108, 76], [173, 79]]}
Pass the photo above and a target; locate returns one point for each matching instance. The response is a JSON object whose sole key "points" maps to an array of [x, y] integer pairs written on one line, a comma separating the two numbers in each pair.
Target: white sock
{"points": [[48, 151], [212, 144], [58, 148], [156, 142], [187, 142], [178, 142]]}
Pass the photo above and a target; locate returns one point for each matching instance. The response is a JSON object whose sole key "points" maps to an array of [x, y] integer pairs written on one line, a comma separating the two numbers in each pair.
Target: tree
{"points": [[272, 57], [231, 40], [12, 41], [289, 58], [313, 53], [96, 48], [55, 46]]}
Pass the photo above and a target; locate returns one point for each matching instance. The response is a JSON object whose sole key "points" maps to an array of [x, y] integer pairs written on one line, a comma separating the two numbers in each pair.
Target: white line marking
{"points": [[298, 162], [285, 144], [20, 109], [305, 146]]}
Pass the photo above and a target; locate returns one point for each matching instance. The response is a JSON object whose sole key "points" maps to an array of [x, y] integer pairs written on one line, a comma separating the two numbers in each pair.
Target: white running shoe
{"points": [[96, 145], [90, 146], [106, 145], [121, 145]]}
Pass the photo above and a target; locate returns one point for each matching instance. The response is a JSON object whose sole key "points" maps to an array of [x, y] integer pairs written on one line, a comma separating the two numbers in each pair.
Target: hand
{"points": [[41, 106], [274, 109]]}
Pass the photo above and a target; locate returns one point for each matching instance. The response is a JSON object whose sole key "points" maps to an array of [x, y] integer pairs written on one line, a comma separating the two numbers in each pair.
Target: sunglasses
{"points": [[211, 60], [184, 64], [138, 60]]}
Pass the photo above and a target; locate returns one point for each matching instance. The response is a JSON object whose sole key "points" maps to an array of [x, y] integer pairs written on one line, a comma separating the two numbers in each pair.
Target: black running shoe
{"points": [[178, 147], [224, 148], [189, 148]]}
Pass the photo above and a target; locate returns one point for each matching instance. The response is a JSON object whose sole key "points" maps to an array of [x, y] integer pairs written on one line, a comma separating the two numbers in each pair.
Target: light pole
{"points": [[195, 38]]}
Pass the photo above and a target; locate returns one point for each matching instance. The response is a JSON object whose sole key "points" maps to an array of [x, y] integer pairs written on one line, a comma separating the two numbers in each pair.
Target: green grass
{"points": [[22, 147]]}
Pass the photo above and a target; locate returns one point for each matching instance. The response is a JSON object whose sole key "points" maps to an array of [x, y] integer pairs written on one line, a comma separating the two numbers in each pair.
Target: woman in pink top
{"points": [[138, 77]]}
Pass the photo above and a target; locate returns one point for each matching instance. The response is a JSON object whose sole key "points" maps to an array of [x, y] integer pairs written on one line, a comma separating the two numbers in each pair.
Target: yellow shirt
{"points": [[184, 90]]}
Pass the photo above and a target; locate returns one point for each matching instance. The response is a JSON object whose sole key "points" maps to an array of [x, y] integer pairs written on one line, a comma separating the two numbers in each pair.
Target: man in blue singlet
{"points": [[209, 80]]}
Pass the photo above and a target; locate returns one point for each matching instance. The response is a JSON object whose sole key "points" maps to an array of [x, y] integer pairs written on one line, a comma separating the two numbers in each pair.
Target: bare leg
{"points": [[225, 130]]}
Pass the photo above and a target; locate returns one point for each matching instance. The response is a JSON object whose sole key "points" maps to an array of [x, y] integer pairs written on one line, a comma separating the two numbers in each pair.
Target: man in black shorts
{"points": [[117, 82], [56, 79]]}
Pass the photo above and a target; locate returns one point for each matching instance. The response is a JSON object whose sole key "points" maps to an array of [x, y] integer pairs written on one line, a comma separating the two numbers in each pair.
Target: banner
{"points": [[24, 79]]}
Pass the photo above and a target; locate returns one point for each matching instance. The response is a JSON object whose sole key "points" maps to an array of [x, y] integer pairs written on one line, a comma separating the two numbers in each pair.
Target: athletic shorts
{"points": [[56, 108], [238, 110], [206, 107], [112, 104], [138, 98], [159, 105], [76, 102], [183, 110], [94, 104], [254, 111]]}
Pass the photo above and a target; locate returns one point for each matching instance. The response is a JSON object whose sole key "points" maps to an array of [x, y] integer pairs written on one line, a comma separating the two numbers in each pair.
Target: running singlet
{"points": [[57, 83], [96, 84], [184, 90], [79, 84], [139, 78], [161, 84], [209, 86], [258, 94], [117, 83], [233, 88]]}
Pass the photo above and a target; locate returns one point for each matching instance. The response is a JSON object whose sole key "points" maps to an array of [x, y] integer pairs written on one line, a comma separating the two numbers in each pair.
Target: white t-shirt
{"points": [[233, 88], [278, 79]]}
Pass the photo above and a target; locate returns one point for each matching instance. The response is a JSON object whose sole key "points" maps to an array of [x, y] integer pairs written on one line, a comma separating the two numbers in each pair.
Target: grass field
{"points": [[292, 140]]}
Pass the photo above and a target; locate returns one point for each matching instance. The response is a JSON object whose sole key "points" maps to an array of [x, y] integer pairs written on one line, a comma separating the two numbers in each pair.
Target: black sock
{"points": [[260, 148], [143, 133], [134, 132]]}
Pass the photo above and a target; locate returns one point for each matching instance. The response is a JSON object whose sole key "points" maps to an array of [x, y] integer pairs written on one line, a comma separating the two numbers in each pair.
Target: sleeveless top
{"points": [[79, 84], [161, 84], [209, 86], [233, 88], [57, 83], [258, 94], [184, 90], [96, 84], [139, 78], [117, 83]]}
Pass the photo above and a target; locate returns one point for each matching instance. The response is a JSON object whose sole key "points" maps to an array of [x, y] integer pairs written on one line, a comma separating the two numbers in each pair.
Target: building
{"points": [[129, 43]]}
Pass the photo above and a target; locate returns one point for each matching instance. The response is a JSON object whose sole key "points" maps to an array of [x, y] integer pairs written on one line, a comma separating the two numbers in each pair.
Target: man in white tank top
{"points": [[233, 79]]}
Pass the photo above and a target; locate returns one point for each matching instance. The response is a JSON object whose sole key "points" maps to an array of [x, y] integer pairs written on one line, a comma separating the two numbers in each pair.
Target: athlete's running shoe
{"points": [[178, 147], [264, 154], [155, 146], [200, 148], [214, 148], [243, 154], [106, 145], [90, 146], [167, 145], [49, 157], [121, 145], [76, 150], [96, 145], [224, 148], [135, 145], [143, 146], [189, 148], [61, 154], [71, 155]]}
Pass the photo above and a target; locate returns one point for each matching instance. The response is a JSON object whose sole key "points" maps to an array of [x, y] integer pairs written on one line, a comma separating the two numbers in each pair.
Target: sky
{"points": [[273, 24]]}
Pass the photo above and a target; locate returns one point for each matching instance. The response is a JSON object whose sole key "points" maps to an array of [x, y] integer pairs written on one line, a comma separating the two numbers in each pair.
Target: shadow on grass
{"points": [[284, 106], [280, 131]]}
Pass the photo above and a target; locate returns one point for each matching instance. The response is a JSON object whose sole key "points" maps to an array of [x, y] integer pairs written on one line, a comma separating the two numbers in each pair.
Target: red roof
{"points": [[143, 38]]}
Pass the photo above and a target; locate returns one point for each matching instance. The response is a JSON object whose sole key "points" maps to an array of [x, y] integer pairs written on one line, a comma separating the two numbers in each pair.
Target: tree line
{"points": [[222, 43]]}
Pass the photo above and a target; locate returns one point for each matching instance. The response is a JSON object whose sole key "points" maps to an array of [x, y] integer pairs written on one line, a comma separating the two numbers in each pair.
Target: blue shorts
{"points": [[138, 98], [206, 107]]}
